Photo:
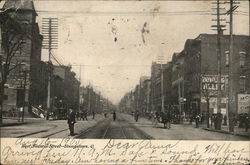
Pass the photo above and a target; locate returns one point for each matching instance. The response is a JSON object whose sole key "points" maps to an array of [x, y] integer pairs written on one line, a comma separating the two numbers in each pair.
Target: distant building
{"points": [[145, 90], [156, 86]]}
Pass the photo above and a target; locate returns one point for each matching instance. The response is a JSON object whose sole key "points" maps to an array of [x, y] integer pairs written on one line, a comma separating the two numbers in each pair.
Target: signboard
{"points": [[213, 104], [214, 100], [210, 82], [243, 103]]}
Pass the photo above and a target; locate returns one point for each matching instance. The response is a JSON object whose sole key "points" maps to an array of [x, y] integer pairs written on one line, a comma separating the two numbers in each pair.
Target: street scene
{"points": [[167, 70]]}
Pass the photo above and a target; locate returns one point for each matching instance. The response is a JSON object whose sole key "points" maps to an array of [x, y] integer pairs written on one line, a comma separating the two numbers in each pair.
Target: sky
{"points": [[116, 41]]}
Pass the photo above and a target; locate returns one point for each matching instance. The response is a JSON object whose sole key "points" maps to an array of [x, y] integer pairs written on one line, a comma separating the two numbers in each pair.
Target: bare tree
{"points": [[13, 34]]}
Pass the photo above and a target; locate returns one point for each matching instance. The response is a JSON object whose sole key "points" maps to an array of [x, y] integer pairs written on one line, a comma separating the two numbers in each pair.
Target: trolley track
{"points": [[109, 129]]}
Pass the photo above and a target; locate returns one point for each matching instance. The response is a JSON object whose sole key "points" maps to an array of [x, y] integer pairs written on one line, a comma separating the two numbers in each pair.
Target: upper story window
{"points": [[242, 59], [242, 83]]}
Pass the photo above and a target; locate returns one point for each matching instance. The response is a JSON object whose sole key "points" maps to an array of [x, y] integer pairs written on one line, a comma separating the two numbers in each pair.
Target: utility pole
{"points": [[79, 99], [162, 90], [50, 33], [89, 98], [219, 32], [231, 97], [219, 28]]}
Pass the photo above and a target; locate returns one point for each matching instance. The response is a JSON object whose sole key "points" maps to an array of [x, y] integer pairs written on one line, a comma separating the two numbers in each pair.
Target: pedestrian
{"points": [[219, 120], [71, 121], [164, 119], [246, 122], [225, 120], [93, 115], [105, 114], [197, 119], [190, 119], [85, 115], [114, 116], [136, 116], [154, 121], [168, 119]]}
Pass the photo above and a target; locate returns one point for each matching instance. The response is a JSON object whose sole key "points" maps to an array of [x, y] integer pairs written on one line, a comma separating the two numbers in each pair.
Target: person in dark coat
{"points": [[136, 116], [71, 121], [163, 119], [197, 120], [246, 121], [114, 116], [168, 118]]}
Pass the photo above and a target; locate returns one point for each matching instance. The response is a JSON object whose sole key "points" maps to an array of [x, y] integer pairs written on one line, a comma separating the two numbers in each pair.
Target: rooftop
{"points": [[19, 5]]}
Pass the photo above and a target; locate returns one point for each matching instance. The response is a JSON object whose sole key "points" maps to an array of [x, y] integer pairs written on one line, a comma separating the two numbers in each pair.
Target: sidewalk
{"points": [[225, 129], [41, 128], [178, 131]]}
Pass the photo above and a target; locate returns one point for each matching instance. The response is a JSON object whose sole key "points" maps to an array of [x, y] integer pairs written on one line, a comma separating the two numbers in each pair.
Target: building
{"points": [[144, 95], [167, 81], [197, 75], [21, 29], [156, 95]]}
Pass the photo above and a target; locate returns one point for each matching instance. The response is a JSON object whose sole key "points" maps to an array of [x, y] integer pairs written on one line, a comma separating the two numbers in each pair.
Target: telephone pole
{"points": [[162, 90], [219, 33], [50, 33], [231, 97], [80, 80], [219, 28], [89, 98]]}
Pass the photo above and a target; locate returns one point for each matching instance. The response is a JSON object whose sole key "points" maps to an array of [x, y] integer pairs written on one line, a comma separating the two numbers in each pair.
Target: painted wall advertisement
{"points": [[243, 103]]}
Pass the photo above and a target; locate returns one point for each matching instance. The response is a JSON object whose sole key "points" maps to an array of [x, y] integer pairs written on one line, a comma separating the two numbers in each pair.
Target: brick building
{"points": [[27, 53], [198, 73]]}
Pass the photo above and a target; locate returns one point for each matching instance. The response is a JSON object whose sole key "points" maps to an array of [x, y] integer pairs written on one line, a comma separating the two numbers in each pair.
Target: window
{"points": [[5, 97], [242, 59], [242, 83], [227, 58]]}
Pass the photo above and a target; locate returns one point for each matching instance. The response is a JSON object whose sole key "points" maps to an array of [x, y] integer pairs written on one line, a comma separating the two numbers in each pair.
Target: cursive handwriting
{"points": [[75, 151]]}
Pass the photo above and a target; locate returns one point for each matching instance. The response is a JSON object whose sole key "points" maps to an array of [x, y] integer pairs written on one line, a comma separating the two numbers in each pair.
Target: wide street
{"points": [[124, 127], [114, 129]]}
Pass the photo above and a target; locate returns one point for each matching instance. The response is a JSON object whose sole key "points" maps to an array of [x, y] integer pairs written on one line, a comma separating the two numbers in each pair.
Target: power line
{"points": [[56, 59]]}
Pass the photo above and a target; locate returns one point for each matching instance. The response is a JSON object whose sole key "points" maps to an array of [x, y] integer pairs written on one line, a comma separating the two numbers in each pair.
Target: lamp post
{"points": [[24, 71], [180, 88]]}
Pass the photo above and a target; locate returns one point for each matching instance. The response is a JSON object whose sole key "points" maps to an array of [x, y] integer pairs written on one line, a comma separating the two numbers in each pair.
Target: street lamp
{"points": [[24, 70], [180, 92]]}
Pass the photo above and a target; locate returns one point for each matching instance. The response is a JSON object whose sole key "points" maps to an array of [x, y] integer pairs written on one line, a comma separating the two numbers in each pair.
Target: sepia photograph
{"points": [[135, 70]]}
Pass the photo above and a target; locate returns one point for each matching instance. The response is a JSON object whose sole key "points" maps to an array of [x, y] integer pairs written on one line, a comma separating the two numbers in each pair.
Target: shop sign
{"points": [[243, 103], [210, 82]]}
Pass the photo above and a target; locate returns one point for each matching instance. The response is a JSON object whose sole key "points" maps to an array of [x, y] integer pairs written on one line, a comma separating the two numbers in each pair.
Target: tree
{"points": [[13, 34]]}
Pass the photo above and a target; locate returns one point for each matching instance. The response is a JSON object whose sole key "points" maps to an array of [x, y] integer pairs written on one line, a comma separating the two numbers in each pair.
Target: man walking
{"points": [[164, 119], [168, 117], [71, 121], [114, 116], [136, 116]]}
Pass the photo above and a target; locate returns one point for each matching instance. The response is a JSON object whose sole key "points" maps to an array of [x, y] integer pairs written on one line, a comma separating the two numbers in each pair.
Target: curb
{"points": [[225, 132], [12, 124]]}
